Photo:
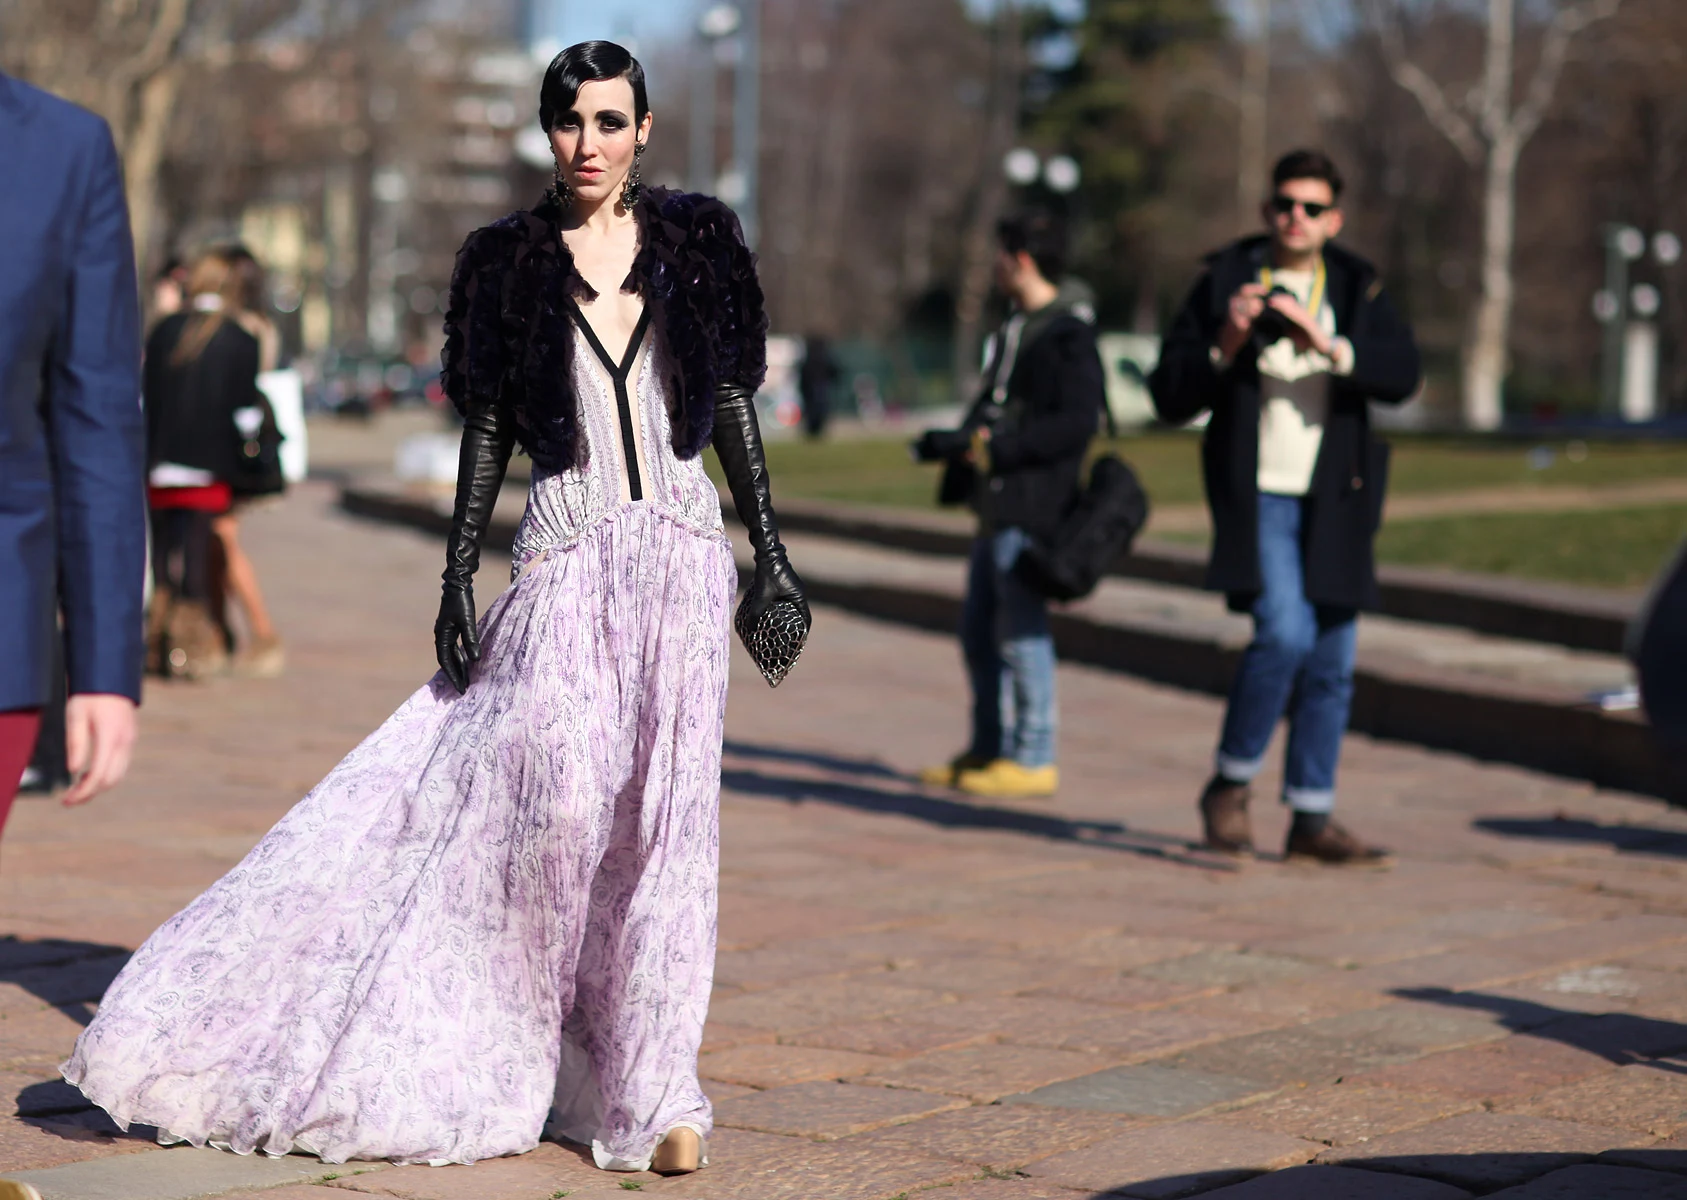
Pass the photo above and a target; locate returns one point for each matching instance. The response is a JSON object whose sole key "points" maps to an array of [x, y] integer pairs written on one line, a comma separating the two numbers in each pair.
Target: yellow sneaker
{"points": [[1004, 777], [945, 775]]}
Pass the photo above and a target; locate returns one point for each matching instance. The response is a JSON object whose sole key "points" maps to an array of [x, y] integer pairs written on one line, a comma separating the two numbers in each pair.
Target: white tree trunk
{"points": [[1486, 359], [1494, 142]]}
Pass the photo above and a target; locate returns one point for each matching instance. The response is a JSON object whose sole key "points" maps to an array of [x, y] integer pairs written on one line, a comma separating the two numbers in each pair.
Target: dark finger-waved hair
{"points": [[583, 63]]}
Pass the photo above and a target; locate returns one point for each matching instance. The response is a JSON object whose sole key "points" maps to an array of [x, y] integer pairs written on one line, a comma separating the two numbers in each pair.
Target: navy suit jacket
{"points": [[72, 440]]}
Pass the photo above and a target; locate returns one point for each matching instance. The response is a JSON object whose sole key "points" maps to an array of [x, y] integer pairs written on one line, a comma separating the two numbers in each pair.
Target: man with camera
{"points": [[1286, 340], [1016, 460]]}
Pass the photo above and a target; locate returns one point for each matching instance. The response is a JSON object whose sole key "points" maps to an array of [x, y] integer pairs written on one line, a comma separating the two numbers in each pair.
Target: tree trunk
{"points": [[1484, 364], [143, 155], [1485, 361]]}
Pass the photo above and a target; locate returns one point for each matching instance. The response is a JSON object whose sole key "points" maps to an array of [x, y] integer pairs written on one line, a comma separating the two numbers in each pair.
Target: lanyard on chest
{"points": [[1320, 278]]}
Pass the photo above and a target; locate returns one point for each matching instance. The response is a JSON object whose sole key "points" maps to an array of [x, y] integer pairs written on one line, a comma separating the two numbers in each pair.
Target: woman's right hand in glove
{"points": [[488, 438]]}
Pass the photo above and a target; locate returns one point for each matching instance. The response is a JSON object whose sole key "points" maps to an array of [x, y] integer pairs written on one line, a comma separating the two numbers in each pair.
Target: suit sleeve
{"points": [[1068, 425], [1185, 383], [1385, 355], [98, 440]]}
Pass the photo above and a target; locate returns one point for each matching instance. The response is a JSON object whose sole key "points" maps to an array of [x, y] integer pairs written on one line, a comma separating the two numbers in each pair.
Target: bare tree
{"points": [[121, 58], [1252, 100], [1490, 130]]}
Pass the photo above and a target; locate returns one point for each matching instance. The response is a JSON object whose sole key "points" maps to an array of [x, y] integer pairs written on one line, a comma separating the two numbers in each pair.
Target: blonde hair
{"points": [[213, 275]]}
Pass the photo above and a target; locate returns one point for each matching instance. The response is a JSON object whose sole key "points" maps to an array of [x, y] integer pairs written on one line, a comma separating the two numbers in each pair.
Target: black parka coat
{"points": [[1344, 505]]}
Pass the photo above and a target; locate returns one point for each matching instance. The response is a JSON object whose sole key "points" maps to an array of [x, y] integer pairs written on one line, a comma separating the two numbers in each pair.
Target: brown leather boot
{"points": [[196, 649], [1224, 817], [157, 622], [1334, 844]]}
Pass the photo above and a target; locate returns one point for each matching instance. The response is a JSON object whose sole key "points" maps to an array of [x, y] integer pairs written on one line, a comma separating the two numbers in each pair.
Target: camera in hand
{"points": [[940, 445], [1270, 326]]}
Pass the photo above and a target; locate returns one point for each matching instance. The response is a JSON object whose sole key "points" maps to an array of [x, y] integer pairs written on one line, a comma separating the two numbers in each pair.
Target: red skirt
{"points": [[211, 497]]}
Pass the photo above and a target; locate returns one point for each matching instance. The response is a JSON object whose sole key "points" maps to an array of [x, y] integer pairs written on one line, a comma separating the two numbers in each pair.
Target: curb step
{"points": [[1478, 716]]}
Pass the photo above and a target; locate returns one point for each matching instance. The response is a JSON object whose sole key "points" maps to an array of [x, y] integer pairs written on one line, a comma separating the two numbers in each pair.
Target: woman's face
{"points": [[596, 140]]}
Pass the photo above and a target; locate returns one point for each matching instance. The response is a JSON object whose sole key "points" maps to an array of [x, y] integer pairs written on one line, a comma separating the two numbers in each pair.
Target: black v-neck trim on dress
{"points": [[618, 376]]}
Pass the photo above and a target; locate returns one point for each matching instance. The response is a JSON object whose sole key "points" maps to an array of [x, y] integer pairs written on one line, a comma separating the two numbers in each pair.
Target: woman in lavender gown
{"points": [[496, 917]]}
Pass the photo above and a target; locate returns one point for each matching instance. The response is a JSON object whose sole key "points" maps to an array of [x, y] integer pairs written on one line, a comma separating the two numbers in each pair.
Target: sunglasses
{"points": [[1284, 205]]}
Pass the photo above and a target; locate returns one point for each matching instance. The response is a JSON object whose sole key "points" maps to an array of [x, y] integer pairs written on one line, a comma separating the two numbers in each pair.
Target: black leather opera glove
{"points": [[738, 445], [488, 438]]}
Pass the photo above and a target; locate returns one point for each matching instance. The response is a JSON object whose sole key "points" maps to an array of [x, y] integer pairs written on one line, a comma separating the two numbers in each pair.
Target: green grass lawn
{"points": [[1617, 548], [880, 471], [1611, 548]]}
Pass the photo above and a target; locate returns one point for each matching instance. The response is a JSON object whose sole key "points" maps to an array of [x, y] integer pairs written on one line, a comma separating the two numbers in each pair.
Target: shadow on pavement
{"points": [[812, 758], [71, 976], [1638, 1174], [939, 810], [1638, 839], [1617, 1037]]}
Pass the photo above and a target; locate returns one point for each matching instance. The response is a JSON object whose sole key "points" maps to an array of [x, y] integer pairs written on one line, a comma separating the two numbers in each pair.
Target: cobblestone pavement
{"points": [[993, 1002]]}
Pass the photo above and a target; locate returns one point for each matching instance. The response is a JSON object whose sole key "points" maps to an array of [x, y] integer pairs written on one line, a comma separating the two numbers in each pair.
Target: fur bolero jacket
{"points": [[508, 336]]}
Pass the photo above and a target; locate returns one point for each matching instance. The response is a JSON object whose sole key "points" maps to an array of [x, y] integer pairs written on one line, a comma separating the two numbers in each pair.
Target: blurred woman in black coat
{"points": [[200, 367]]}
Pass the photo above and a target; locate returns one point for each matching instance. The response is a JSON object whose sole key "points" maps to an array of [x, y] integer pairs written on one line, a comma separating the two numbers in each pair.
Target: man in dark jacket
{"points": [[72, 510], [1017, 460], [1286, 340]]}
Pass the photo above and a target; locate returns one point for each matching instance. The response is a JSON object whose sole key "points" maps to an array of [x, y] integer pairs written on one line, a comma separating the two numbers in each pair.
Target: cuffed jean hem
{"points": [[1310, 800], [1238, 770]]}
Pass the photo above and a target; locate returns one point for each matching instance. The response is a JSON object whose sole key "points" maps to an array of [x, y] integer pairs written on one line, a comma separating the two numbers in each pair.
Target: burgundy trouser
{"points": [[18, 728]]}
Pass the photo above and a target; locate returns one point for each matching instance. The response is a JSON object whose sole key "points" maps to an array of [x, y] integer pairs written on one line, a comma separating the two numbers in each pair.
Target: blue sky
{"points": [[631, 20]]}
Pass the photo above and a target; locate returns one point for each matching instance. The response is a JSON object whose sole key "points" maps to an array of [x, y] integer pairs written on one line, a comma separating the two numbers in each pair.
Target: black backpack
{"points": [[1092, 538]]}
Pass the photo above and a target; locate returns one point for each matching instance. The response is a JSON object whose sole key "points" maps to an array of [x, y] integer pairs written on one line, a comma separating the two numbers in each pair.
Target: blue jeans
{"points": [[1300, 662], [1009, 656]]}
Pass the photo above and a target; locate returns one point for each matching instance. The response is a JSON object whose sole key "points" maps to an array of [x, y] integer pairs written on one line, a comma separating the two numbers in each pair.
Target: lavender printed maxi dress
{"points": [[497, 914]]}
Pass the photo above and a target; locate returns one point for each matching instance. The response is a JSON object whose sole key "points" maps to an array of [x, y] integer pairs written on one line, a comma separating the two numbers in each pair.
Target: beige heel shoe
{"points": [[12, 1190], [680, 1153]]}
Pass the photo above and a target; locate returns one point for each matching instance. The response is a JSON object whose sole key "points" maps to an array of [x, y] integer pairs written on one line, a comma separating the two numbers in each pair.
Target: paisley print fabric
{"points": [[499, 902]]}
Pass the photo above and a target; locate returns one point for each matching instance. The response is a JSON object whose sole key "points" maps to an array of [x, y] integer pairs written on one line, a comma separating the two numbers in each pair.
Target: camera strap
{"points": [[1320, 278]]}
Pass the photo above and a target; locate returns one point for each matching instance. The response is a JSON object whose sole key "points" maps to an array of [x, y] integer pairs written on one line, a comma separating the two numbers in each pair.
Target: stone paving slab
{"points": [[1605, 1183], [1002, 1138], [536, 1175], [829, 1110], [180, 1173], [1346, 1113], [1337, 1183], [960, 951], [1670, 1154], [986, 1073], [1148, 1090], [767, 1066], [1482, 1151], [1162, 1161]]}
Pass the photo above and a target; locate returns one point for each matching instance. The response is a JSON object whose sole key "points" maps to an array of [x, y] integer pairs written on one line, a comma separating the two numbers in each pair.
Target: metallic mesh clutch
{"points": [[776, 639]]}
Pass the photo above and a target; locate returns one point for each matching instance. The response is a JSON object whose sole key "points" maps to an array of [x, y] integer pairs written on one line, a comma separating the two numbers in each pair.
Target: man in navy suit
{"points": [[72, 440]]}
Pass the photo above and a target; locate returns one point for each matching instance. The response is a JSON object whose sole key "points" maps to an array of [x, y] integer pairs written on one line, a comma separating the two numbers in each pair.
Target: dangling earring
{"points": [[633, 187], [559, 192]]}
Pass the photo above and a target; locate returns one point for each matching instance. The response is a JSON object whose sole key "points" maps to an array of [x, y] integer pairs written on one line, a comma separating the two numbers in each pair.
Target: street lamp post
{"points": [[1629, 366], [731, 34], [746, 123]]}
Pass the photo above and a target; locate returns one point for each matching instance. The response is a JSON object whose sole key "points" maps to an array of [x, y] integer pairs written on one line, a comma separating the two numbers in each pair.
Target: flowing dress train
{"points": [[497, 914]]}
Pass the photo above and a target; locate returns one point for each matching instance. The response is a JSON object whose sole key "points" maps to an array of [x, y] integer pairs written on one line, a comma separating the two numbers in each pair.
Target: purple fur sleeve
{"points": [[473, 359], [743, 323]]}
